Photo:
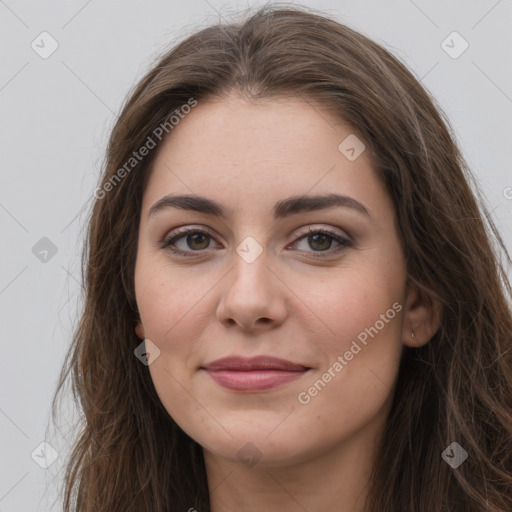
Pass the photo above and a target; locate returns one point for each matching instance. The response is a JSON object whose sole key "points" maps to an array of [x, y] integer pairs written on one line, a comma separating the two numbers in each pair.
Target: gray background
{"points": [[56, 114]]}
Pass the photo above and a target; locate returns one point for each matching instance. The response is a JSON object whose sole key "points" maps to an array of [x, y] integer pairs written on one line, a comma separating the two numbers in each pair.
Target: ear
{"points": [[422, 317], [139, 330]]}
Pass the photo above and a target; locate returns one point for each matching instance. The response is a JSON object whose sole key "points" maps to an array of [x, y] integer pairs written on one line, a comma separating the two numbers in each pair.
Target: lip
{"points": [[253, 374]]}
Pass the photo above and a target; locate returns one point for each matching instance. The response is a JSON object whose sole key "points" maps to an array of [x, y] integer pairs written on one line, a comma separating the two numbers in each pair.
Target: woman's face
{"points": [[308, 300]]}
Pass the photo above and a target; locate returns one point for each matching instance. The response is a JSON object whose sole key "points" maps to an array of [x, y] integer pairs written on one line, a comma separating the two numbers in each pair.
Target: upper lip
{"points": [[239, 363]]}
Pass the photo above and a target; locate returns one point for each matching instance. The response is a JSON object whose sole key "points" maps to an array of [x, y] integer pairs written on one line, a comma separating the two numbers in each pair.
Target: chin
{"points": [[259, 443]]}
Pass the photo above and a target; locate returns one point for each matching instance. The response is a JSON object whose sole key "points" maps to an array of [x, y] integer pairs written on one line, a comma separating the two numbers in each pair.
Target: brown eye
{"points": [[196, 241], [187, 241], [321, 241]]}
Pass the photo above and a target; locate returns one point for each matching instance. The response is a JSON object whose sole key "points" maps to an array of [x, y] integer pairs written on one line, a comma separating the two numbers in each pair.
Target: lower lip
{"points": [[257, 380]]}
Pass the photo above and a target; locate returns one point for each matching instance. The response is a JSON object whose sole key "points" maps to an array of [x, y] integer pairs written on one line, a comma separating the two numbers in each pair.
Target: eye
{"points": [[321, 240], [194, 240]]}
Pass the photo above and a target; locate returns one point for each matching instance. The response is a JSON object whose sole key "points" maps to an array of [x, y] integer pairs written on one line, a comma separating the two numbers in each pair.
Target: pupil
{"points": [[195, 239], [325, 238]]}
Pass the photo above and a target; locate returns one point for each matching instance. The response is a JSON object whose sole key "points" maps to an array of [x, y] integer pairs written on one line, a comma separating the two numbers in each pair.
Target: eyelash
{"points": [[305, 233]]}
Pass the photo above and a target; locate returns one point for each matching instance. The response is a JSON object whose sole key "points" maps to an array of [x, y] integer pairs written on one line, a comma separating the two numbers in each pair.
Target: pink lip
{"points": [[253, 374]]}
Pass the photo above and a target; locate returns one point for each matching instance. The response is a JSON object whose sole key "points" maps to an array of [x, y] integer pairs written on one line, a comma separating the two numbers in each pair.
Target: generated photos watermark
{"points": [[305, 397], [137, 156], [454, 455]]}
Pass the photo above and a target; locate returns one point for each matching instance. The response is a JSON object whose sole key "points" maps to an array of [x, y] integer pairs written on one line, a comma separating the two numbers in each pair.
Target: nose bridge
{"points": [[251, 292], [250, 268]]}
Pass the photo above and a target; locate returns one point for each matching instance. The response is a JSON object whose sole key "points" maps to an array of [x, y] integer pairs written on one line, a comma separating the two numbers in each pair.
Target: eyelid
{"points": [[315, 228]]}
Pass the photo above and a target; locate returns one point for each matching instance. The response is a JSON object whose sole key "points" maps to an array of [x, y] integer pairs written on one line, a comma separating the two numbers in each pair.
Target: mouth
{"points": [[253, 374]]}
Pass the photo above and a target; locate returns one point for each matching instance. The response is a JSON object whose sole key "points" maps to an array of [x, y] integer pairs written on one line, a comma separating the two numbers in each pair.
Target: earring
{"points": [[412, 334], [139, 330]]}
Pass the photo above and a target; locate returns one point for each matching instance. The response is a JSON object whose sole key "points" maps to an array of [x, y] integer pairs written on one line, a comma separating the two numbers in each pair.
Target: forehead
{"points": [[262, 150], [239, 131]]}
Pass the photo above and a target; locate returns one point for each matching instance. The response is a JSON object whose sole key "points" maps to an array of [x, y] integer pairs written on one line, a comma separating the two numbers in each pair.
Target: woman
{"points": [[292, 299]]}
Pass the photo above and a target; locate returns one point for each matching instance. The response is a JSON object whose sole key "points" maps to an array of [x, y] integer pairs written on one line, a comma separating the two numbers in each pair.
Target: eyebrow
{"points": [[282, 209]]}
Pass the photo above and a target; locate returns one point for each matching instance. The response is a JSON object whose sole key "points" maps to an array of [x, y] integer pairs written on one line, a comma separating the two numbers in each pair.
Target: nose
{"points": [[253, 297]]}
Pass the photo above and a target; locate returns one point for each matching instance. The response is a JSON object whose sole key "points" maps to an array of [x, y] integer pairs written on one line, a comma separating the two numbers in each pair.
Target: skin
{"points": [[286, 303]]}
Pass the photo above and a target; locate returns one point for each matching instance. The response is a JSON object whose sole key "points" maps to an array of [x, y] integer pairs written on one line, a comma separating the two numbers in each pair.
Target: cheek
{"points": [[354, 302], [170, 307], [360, 313], [354, 384], [168, 301], [175, 309]]}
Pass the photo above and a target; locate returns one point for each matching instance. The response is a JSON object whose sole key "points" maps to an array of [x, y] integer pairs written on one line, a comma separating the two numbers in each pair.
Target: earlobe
{"points": [[422, 318], [139, 330]]}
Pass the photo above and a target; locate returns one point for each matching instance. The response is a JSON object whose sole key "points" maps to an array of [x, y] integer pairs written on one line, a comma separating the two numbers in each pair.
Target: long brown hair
{"points": [[129, 454]]}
